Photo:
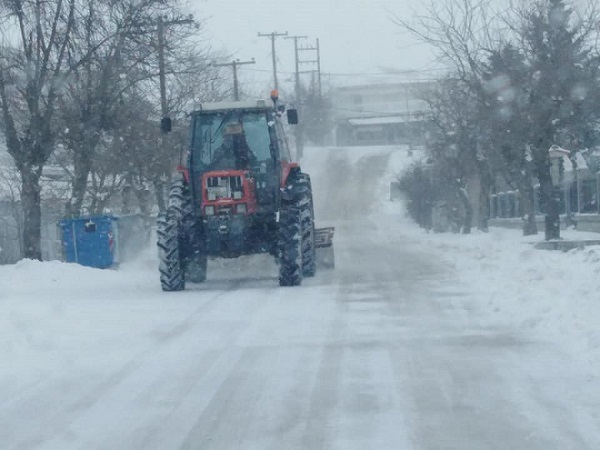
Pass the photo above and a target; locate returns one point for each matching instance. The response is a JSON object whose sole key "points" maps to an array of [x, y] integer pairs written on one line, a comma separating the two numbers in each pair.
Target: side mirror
{"points": [[165, 125], [292, 116]]}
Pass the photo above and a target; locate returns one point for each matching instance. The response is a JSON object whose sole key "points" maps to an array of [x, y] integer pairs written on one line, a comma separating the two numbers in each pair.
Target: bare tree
{"points": [[462, 34], [507, 90], [33, 68], [453, 147], [554, 58], [124, 73], [96, 91]]}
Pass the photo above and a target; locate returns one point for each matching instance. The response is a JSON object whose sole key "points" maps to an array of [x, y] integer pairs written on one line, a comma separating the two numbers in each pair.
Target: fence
{"points": [[579, 197]]}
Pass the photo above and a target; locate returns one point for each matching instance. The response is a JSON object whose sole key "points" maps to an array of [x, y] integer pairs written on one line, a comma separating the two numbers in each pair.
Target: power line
{"points": [[357, 74], [399, 72]]}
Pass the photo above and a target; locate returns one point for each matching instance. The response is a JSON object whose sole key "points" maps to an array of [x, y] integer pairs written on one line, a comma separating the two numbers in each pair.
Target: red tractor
{"points": [[238, 194]]}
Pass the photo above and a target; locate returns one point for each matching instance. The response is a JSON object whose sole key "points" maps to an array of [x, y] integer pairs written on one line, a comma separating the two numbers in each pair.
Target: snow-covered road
{"points": [[394, 349]]}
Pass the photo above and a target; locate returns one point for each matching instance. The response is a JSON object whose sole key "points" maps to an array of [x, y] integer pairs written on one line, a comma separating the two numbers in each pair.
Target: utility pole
{"points": [[164, 107], [317, 61], [319, 69], [165, 122], [298, 129], [274, 35], [234, 64], [297, 83]]}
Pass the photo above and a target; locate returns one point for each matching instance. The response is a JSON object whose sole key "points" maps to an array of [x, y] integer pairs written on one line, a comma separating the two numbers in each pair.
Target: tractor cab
{"points": [[233, 139]]}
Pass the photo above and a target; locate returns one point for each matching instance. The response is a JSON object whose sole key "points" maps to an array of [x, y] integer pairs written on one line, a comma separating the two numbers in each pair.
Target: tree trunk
{"points": [[143, 196], [528, 207], [17, 213], [468, 209], [82, 166], [159, 189], [32, 214], [485, 184]]}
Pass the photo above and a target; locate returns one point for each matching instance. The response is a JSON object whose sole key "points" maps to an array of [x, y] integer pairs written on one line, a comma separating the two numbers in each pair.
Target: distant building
{"points": [[381, 114]]}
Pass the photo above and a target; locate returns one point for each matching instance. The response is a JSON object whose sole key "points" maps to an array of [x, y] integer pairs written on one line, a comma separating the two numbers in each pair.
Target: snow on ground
{"points": [[551, 293], [63, 327]]}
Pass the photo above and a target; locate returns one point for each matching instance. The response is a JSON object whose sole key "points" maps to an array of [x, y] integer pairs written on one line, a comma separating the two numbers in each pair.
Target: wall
{"points": [[583, 222]]}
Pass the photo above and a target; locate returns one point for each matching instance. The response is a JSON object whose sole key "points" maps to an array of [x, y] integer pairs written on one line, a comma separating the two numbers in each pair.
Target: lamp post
{"points": [[557, 174]]}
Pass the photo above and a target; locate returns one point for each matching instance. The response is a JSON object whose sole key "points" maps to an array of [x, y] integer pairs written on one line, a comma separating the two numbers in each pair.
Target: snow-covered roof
{"points": [[245, 104], [380, 120]]}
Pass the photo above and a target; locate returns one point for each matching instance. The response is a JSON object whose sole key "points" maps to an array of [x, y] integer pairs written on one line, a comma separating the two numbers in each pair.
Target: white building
{"points": [[380, 114]]}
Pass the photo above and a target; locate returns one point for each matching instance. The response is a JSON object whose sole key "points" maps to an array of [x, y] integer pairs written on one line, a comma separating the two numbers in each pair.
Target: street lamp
{"points": [[557, 174]]}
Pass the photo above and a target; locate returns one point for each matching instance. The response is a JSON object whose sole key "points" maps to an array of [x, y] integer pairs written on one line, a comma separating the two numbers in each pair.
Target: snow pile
{"points": [[69, 281], [545, 291], [551, 293]]}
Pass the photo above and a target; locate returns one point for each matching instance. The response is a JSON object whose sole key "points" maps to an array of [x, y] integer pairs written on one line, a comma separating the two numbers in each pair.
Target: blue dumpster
{"points": [[91, 241]]}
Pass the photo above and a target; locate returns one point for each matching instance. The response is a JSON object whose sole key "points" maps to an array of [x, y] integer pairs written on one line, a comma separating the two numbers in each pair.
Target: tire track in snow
{"points": [[75, 399], [321, 422]]}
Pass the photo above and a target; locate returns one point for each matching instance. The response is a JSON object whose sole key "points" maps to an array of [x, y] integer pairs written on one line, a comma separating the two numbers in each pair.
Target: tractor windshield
{"points": [[230, 139]]}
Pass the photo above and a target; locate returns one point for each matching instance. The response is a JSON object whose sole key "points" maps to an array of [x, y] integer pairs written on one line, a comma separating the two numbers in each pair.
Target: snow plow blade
{"points": [[324, 247]]}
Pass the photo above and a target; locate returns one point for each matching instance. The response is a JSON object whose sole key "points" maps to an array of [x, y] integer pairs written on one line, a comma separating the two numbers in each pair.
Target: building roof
{"points": [[245, 104], [380, 120], [385, 86]]}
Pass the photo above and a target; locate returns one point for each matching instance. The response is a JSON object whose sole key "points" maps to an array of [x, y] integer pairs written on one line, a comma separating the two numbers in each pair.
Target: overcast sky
{"points": [[356, 36]]}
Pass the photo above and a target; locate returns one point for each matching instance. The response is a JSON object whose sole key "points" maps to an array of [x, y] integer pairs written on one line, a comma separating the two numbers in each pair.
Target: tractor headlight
{"points": [[209, 210], [241, 208]]}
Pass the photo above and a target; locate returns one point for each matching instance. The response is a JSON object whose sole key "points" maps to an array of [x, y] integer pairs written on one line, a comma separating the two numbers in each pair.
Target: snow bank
{"points": [[549, 293]]}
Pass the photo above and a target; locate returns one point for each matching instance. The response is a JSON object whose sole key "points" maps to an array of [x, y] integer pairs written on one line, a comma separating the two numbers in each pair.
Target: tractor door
{"points": [[262, 138]]}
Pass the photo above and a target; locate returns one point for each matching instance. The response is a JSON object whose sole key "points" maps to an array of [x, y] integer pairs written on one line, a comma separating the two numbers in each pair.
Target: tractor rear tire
{"points": [[290, 246], [171, 269], [181, 207], [309, 264]]}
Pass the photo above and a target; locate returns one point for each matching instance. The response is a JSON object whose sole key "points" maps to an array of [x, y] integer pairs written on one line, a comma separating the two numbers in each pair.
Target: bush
{"points": [[416, 184]]}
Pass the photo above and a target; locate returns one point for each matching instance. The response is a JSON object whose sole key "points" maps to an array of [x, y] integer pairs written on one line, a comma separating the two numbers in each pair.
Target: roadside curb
{"points": [[566, 245]]}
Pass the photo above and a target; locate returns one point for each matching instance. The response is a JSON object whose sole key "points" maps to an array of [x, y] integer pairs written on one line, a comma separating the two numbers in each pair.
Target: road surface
{"points": [[388, 351]]}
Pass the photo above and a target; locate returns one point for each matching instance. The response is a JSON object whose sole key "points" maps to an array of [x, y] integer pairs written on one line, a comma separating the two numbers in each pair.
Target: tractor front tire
{"points": [[171, 269], [179, 240], [196, 266], [290, 246]]}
